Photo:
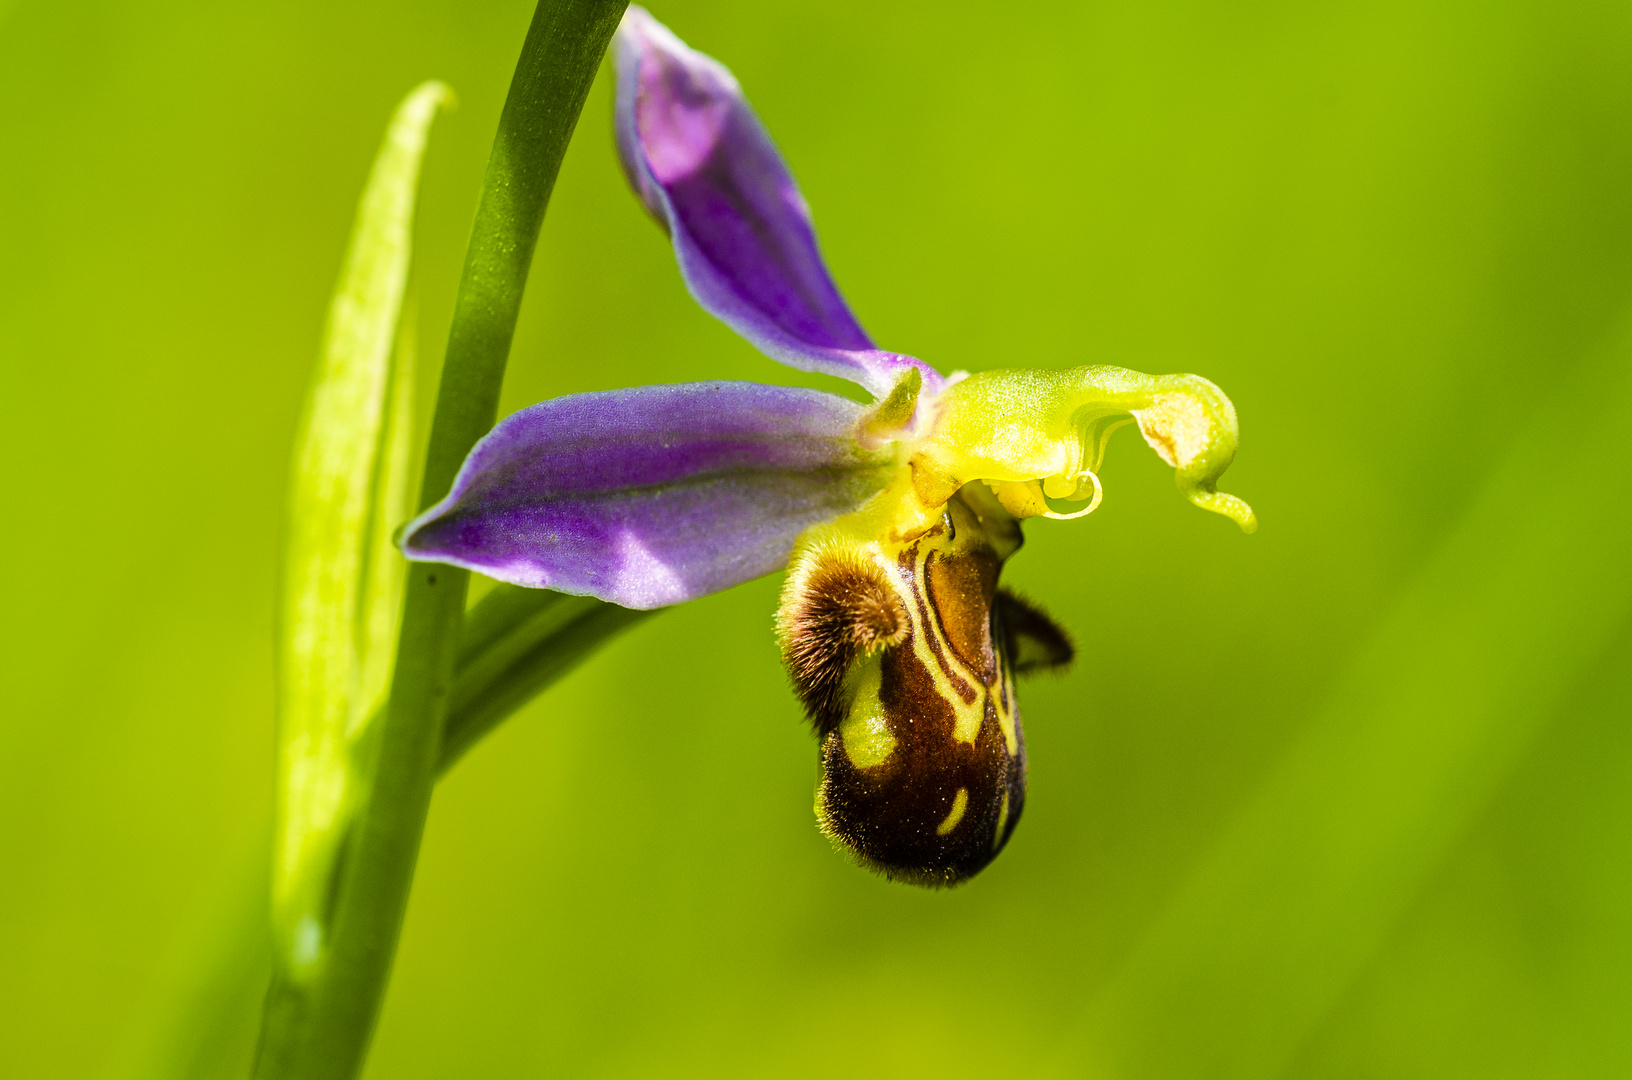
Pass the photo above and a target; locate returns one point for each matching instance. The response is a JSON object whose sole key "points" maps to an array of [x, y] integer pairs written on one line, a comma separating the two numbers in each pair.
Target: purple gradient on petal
{"points": [[651, 496], [705, 167]]}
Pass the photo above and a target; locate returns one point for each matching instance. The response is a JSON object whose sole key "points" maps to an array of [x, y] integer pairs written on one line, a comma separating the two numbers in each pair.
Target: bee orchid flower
{"points": [[893, 519]]}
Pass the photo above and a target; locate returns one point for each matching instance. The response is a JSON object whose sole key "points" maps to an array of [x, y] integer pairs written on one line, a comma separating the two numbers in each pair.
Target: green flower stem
{"points": [[516, 643], [321, 1028]]}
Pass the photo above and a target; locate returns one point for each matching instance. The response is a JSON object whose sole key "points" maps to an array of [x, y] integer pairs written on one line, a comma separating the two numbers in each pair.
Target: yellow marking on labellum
{"points": [[866, 734], [1002, 820], [1005, 715], [905, 567], [960, 686], [960, 803]]}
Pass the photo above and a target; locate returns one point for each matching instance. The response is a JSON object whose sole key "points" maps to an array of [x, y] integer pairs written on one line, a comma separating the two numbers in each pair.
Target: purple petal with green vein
{"points": [[705, 167], [651, 496]]}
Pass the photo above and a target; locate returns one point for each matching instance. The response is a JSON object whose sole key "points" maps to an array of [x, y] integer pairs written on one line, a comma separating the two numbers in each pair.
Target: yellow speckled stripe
{"points": [[962, 688], [866, 735], [1005, 707], [960, 803]]}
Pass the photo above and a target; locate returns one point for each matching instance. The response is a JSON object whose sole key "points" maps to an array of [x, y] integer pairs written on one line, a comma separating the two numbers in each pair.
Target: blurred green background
{"points": [[1348, 798]]}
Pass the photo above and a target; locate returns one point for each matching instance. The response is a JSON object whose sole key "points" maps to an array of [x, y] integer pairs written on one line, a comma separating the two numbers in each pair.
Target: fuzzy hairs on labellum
{"points": [[1035, 641], [844, 609]]}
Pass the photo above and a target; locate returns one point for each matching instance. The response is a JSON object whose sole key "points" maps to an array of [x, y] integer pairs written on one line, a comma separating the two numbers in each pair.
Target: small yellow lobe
{"points": [[867, 738], [960, 803]]}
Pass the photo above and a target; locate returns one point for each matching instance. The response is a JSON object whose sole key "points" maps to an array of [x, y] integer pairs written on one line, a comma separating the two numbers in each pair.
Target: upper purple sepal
{"points": [[651, 496], [705, 167]]}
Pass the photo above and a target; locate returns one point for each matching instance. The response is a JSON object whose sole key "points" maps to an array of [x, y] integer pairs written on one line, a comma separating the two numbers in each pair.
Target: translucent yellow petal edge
{"points": [[1035, 435]]}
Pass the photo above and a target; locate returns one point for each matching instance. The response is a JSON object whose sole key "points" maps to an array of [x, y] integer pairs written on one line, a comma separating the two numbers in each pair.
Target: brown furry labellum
{"points": [[904, 657], [847, 610]]}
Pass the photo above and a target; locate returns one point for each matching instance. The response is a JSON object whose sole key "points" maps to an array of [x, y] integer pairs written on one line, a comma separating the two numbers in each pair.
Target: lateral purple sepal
{"points": [[651, 496], [706, 168]]}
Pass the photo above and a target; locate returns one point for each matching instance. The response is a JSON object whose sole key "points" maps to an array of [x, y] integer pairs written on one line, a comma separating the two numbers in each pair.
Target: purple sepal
{"points": [[651, 496], [705, 167]]}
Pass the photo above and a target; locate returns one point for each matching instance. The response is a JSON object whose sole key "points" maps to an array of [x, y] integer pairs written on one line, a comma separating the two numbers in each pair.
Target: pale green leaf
{"points": [[349, 482], [380, 600]]}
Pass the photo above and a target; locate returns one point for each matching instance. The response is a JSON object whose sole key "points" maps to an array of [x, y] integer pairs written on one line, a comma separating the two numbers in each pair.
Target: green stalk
{"points": [[516, 643], [320, 1028]]}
